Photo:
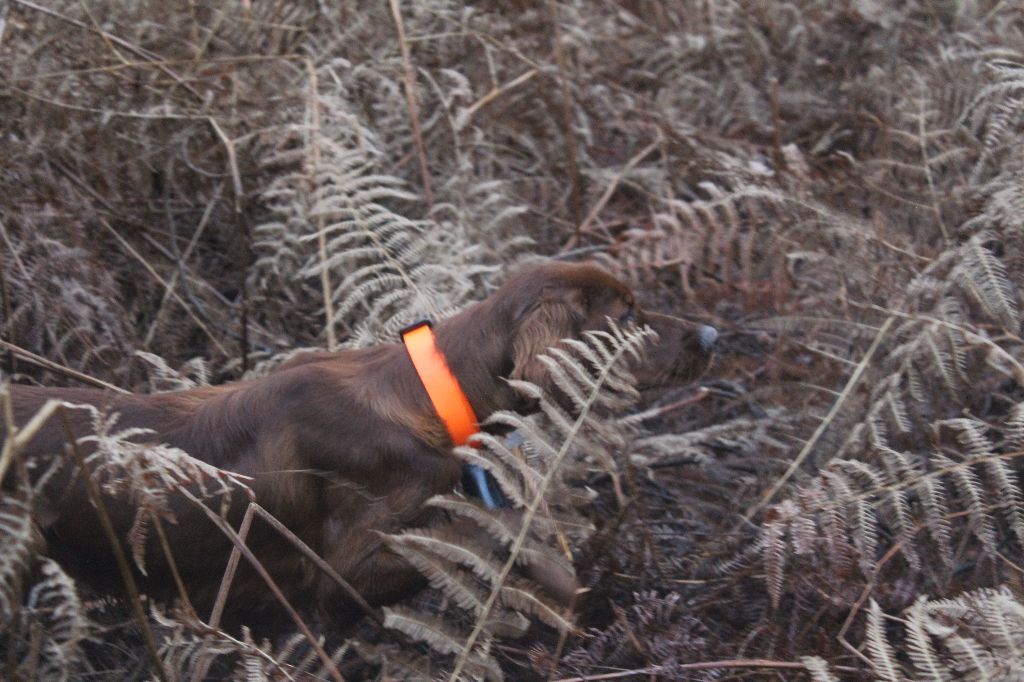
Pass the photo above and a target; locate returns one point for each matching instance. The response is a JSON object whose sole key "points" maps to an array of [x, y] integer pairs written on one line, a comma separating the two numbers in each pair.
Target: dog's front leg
{"points": [[376, 573]]}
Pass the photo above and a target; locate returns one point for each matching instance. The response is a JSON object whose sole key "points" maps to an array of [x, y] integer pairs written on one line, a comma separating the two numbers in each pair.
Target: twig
{"points": [[836, 406], [410, 100], [40, 361], [319, 561], [229, 532], [115, 545], [131, 47], [114, 68], [229, 572], [172, 564], [101, 33], [608, 192], [922, 136], [5, 305], [563, 636], [321, 226], [779, 156], [14, 254], [859, 604], [155, 275], [244, 241], [708, 665], [571, 154], [229, 147], [467, 114], [200, 672], [245, 247], [204, 220], [698, 395], [145, 116], [17, 438], [231, 568]]}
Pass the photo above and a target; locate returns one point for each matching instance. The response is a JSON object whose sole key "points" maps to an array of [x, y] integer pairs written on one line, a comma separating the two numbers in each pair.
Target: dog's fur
{"points": [[340, 445]]}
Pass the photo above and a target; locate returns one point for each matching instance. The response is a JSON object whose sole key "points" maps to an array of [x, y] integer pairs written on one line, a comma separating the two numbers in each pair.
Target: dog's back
{"points": [[317, 457], [70, 524]]}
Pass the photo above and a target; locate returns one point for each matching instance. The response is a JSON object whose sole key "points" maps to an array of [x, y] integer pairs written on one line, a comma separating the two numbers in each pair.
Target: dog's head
{"points": [[563, 300]]}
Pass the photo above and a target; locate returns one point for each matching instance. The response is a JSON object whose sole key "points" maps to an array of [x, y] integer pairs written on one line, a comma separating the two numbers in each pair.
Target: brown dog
{"points": [[341, 446]]}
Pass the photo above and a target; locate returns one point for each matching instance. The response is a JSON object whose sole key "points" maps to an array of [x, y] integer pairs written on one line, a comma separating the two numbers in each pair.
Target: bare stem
{"points": [[813, 440], [410, 100], [321, 226], [352, 593], [568, 129], [115, 546], [229, 532], [230, 569]]}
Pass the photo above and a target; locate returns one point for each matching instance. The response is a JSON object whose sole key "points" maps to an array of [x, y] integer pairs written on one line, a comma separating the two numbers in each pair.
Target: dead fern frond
{"points": [[22, 542], [534, 470], [438, 634], [42, 637], [53, 604], [984, 278], [193, 374], [883, 658], [453, 549], [124, 463], [818, 668]]}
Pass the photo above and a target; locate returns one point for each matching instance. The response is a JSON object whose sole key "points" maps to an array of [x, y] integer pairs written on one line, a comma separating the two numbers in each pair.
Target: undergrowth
{"points": [[194, 191]]}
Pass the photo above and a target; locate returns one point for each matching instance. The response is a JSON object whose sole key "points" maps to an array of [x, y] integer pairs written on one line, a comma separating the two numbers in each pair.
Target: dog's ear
{"points": [[558, 314]]}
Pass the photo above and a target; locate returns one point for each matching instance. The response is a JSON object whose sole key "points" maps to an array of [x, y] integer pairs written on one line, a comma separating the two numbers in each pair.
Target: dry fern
{"points": [[799, 172], [975, 636], [554, 449], [127, 463]]}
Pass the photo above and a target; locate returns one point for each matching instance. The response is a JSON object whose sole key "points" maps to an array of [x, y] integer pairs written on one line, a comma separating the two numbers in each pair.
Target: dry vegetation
{"points": [[191, 190]]}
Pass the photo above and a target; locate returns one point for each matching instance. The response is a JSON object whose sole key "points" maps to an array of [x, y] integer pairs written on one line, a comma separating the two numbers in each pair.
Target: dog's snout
{"points": [[707, 336]]}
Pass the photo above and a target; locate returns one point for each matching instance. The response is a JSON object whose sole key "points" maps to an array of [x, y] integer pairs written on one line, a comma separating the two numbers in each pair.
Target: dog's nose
{"points": [[707, 337]]}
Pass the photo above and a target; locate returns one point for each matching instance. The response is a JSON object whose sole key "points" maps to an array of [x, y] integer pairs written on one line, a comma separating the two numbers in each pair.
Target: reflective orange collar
{"points": [[449, 401]]}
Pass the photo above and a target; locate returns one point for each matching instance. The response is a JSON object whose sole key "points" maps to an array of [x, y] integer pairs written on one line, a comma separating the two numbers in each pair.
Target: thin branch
{"points": [[321, 225], [7, 310], [115, 545], [865, 593], [606, 196], [230, 569], [204, 220], [58, 368], [708, 665], [172, 564], [229, 532], [923, 142], [229, 147], [813, 440], [563, 636], [114, 68], [352, 593], [410, 100], [131, 47], [155, 275], [568, 129], [467, 114]]}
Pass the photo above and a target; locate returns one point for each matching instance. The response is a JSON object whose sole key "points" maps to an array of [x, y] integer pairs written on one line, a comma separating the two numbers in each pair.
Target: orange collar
{"points": [[449, 401]]}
